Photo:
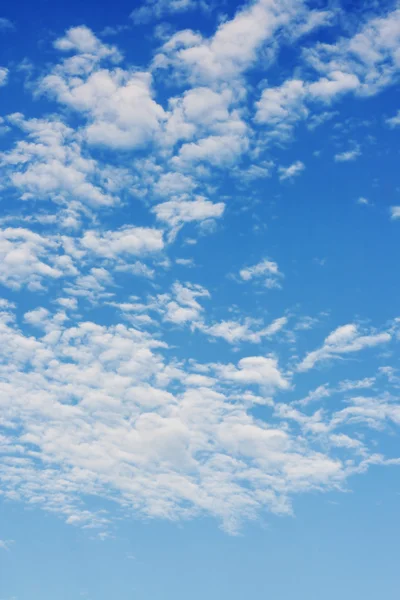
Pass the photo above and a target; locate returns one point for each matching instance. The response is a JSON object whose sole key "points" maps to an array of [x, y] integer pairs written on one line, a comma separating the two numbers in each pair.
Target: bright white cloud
{"points": [[249, 330], [175, 213], [127, 240], [266, 270], [344, 340], [27, 259]]}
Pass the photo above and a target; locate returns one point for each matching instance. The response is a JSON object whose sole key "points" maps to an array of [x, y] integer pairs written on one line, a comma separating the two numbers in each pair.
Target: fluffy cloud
{"points": [[27, 258], [281, 107], [249, 330], [364, 63], [175, 213], [49, 164], [90, 424], [266, 270], [236, 44], [131, 398], [127, 240], [117, 104]]}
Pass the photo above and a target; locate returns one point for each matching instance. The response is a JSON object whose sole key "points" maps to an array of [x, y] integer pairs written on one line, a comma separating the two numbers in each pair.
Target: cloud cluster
{"points": [[118, 379]]}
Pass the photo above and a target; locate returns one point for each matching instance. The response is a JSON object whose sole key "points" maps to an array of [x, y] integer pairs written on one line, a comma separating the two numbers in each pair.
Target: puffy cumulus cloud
{"points": [[344, 340], [27, 259], [259, 370], [127, 240], [49, 164], [181, 305], [364, 63], [118, 105], [202, 112], [83, 41], [218, 150], [236, 44], [281, 107], [175, 213], [174, 184], [125, 411], [266, 270]]}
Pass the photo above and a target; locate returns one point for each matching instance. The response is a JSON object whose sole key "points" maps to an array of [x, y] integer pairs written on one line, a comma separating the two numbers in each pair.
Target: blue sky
{"points": [[199, 324]]}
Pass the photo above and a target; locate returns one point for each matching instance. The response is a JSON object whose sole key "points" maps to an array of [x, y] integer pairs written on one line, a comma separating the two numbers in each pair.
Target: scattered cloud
{"points": [[348, 155], [266, 271], [394, 121], [344, 340], [395, 212], [292, 171]]}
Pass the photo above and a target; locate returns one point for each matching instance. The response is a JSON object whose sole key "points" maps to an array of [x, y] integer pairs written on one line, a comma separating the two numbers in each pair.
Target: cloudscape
{"points": [[199, 318]]}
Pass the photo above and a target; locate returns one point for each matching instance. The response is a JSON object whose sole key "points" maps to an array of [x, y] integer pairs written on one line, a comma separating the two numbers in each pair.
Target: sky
{"points": [[199, 320]]}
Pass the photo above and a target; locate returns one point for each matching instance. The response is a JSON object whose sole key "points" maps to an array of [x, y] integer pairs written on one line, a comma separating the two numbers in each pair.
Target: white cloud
{"points": [[266, 270], [125, 411], [50, 164], [259, 370], [118, 104], [292, 171], [236, 44], [348, 155], [249, 330], [3, 76], [82, 40], [156, 9], [336, 83], [175, 213], [182, 307], [395, 212], [394, 121], [127, 240], [343, 340], [364, 63], [27, 259], [281, 107], [218, 150], [109, 415]]}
